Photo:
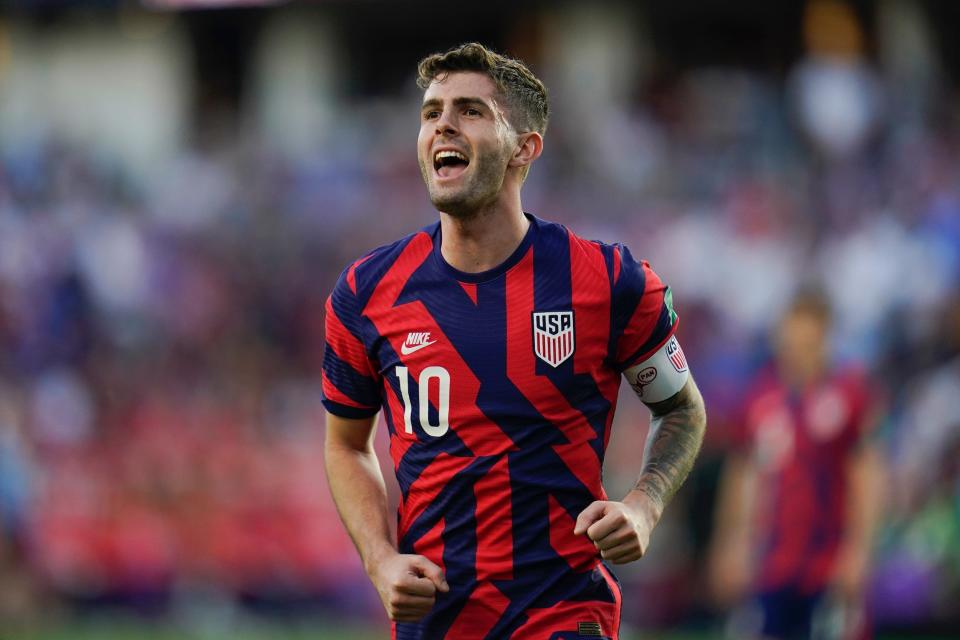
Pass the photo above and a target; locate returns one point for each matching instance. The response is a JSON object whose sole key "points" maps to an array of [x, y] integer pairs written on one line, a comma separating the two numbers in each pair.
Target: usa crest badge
{"points": [[553, 339], [675, 353]]}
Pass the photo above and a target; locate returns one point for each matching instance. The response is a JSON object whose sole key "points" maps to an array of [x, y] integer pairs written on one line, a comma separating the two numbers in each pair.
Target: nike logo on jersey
{"points": [[415, 341]]}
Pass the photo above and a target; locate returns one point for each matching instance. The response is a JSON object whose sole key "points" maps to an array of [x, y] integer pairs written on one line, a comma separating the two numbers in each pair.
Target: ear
{"points": [[529, 148]]}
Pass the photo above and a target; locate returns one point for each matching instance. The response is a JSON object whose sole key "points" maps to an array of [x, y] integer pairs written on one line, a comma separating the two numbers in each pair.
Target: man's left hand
{"points": [[620, 531]]}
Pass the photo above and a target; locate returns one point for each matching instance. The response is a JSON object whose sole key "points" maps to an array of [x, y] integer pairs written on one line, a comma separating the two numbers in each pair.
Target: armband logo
{"points": [[675, 353], [644, 377]]}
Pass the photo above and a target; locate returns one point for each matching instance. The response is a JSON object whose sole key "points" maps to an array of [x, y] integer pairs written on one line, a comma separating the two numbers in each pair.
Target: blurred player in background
{"points": [[799, 497], [494, 343]]}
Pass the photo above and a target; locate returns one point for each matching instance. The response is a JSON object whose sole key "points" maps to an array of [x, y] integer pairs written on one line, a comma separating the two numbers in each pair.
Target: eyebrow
{"points": [[457, 102]]}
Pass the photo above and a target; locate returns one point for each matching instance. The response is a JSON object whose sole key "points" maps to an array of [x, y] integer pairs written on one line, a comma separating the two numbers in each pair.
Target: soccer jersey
{"points": [[801, 442], [498, 389]]}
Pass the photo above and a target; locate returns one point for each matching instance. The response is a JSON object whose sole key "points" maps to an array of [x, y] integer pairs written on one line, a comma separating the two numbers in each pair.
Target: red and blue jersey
{"points": [[801, 442], [498, 389]]}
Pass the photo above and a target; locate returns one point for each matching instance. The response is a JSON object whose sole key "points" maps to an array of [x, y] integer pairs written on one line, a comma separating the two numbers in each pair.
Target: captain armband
{"points": [[661, 375]]}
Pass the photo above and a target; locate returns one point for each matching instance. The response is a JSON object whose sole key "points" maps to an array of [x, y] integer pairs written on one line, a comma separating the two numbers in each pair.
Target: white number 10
{"points": [[443, 406]]}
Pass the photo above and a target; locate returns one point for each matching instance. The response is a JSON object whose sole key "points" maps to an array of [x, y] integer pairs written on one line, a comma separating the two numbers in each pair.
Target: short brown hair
{"points": [[525, 94], [811, 300]]}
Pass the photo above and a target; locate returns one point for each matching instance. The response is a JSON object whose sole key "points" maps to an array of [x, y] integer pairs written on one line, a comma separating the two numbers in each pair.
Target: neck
{"points": [[484, 239], [802, 378]]}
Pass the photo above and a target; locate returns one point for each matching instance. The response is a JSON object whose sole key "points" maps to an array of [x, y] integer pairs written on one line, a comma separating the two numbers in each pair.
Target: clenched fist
{"points": [[408, 586], [621, 532]]}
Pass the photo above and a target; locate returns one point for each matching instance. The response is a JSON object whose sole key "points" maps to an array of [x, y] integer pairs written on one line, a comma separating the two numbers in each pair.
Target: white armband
{"points": [[661, 375]]}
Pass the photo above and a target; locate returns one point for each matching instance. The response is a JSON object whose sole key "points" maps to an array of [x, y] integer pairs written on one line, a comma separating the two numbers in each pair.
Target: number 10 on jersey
{"points": [[443, 404]]}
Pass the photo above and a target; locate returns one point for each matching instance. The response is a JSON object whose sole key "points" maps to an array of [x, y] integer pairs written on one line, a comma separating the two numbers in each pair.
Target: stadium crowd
{"points": [[160, 338]]}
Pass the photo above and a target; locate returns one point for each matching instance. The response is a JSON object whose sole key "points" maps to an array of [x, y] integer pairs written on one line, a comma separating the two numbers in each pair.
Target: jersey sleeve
{"points": [[741, 433], [351, 382], [642, 315]]}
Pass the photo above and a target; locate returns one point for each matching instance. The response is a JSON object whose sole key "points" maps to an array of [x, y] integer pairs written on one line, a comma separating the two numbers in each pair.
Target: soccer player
{"points": [[493, 342], [799, 496]]}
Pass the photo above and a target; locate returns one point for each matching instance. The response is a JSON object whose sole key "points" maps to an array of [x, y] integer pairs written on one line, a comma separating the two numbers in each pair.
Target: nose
{"points": [[445, 123]]}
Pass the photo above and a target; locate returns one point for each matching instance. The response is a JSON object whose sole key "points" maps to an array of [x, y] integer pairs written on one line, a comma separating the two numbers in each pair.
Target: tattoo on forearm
{"points": [[677, 430]]}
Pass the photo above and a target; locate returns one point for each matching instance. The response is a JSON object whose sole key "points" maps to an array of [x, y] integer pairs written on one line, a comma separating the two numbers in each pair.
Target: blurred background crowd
{"points": [[181, 186]]}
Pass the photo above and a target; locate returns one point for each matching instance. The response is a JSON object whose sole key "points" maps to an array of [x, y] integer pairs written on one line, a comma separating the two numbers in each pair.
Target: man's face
{"points": [[802, 345], [465, 142]]}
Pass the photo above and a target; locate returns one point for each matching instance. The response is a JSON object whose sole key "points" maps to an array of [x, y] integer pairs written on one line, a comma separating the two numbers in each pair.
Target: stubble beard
{"points": [[477, 190]]}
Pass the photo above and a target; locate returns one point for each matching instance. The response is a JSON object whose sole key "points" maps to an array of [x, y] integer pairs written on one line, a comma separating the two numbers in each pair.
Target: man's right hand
{"points": [[408, 586]]}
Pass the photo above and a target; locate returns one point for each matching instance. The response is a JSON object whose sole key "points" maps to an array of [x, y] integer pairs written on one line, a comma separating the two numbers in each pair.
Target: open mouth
{"points": [[449, 163]]}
